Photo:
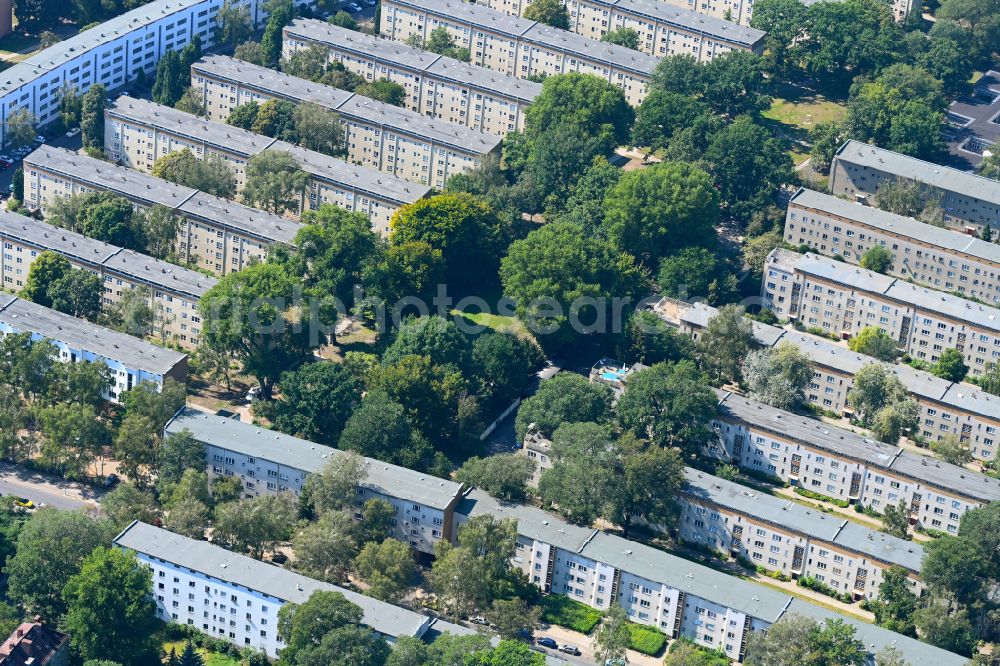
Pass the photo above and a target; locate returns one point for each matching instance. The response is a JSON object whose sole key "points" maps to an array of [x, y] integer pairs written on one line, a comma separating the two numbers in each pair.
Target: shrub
{"points": [[646, 640], [565, 612], [823, 498], [811, 583]]}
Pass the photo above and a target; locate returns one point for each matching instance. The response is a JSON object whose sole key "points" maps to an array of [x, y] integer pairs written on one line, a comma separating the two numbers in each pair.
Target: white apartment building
{"points": [[665, 27], [536, 448], [791, 539], [436, 86], [655, 588], [922, 253], [131, 361], [969, 202], [237, 598], [174, 291], [847, 466], [112, 54], [269, 462], [947, 408], [377, 135], [518, 47], [215, 234], [843, 300], [137, 132]]}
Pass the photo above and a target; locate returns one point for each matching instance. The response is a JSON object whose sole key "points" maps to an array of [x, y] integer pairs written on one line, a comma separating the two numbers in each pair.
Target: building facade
{"points": [[519, 47], [113, 54], [377, 135], [946, 408], [790, 539], [436, 86], [138, 132], [699, 29], [269, 463], [921, 253], [214, 234], [846, 466], [173, 291], [969, 202], [131, 361], [843, 300], [237, 598]]}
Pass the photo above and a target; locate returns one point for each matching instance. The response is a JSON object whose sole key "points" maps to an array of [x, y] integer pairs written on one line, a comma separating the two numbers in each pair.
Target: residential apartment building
{"points": [[381, 136], [843, 300], [654, 587], [789, 538], [947, 408], [922, 253], [215, 234], [518, 47], [969, 202], [138, 132], [237, 598], [847, 466], [173, 291], [536, 447], [680, 597], [268, 462], [436, 86], [111, 54], [665, 27], [131, 361]]}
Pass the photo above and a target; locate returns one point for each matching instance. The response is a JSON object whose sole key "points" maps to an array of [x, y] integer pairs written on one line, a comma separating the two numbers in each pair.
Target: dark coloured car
{"points": [[545, 641]]}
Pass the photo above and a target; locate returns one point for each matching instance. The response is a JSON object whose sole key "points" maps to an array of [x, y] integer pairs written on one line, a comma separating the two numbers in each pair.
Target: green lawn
{"points": [[794, 112], [495, 322], [211, 658]]}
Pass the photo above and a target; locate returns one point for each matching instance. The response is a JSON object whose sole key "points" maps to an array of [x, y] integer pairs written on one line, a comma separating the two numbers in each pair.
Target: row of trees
{"points": [[306, 124], [313, 62]]}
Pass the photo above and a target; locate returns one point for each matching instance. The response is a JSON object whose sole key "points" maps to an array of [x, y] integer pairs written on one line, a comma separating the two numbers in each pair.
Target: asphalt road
{"points": [[11, 484]]}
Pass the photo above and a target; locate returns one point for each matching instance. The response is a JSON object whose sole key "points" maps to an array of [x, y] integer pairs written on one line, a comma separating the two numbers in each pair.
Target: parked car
{"points": [[39, 139], [24, 502], [253, 393], [6, 158], [545, 641], [73, 132], [371, 3], [570, 649], [5, 163], [354, 7], [111, 480], [478, 619]]}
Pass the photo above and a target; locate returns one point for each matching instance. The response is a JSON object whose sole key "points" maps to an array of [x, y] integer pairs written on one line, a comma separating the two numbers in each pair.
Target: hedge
{"points": [[843, 504], [647, 640], [565, 612]]}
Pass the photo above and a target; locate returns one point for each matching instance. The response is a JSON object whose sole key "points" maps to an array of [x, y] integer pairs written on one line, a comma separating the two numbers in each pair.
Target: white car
{"points": [[73, 132], [39, 139], [253, 393], [354, 7]]}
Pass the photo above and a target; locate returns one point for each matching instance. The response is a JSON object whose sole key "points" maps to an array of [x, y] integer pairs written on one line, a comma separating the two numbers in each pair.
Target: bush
{"points": [[811, 583], [822, 498], [565, 612], [776, 575], [646, 640]]}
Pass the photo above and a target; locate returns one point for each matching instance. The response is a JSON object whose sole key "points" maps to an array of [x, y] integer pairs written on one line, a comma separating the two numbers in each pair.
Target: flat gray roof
{"points": [[939, 302], [532, 522], [103, 175], [270, 579], [750, 502], [47, 237], [699, 314], [162, 274], [935, 175], [342, 39], [243, 219], [25, 316], [416, 60], [880, 546], [350, 106], [362, 179], [219, 135], [692, 578], [258, 442], [477, 16], [946, 477], [150, 190], [899, 224], [716, 28], [596, 51]]}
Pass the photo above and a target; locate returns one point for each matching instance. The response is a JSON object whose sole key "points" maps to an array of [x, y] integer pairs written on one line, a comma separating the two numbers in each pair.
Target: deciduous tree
{"points": [[387, 568], [565, 398], [275, 182]]}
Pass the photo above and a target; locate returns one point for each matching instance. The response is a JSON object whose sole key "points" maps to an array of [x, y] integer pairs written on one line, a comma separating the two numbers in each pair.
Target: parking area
{"points": [[13, 161]]}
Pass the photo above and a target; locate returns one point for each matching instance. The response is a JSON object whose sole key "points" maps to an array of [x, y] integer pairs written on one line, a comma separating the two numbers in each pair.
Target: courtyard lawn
{"points": [[795, 112], [211, 658]]}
